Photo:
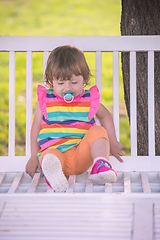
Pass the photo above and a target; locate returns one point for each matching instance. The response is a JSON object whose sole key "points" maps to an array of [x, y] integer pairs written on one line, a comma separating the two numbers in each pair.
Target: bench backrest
{"points": [[97, 44]]}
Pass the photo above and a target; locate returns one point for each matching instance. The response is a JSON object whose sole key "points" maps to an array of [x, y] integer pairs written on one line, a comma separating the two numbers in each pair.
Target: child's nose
{"points": [[68, 85]]}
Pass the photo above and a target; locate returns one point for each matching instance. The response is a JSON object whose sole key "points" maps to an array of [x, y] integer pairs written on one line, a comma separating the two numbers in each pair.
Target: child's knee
{"points": [[97, 132]]}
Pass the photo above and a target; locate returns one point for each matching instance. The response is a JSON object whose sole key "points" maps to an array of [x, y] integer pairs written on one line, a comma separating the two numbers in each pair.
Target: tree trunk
{"points": [[142, 17]]}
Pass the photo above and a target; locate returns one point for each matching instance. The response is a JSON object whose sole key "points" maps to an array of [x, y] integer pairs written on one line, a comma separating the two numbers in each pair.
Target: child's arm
{"points": [[33, 162], [106, 121]]}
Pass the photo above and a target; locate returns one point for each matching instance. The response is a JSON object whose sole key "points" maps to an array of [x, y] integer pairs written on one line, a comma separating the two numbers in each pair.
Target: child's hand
{"points": [[116, 150], [32, 165]]}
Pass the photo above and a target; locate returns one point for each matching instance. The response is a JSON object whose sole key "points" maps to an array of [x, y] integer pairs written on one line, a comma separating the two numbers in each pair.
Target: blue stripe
{"points": [[42, 136], [67, 122], [68, 114], [66, 147], [50, 95]]}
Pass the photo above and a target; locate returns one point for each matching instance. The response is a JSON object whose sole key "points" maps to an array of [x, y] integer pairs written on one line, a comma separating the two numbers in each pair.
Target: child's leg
{"points": [[100, 148], [86, 153], [53, 167], [102, 171], [95, 148]]}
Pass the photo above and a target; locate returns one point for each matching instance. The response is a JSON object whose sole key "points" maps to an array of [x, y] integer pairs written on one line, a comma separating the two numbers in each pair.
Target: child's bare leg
{"points": [[100, 148]]}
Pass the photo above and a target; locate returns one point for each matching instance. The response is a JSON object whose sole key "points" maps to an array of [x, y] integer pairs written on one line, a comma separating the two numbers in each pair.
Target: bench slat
{"points": [[151, 112], [71, 181], [145, 183], [127, 182], [89, 185], [34, 183], [11, 143], [108, 188], [133, 104], [116, 92], [99, 72], [143, 221], [28, 100], [2, 176], [15, 183]]}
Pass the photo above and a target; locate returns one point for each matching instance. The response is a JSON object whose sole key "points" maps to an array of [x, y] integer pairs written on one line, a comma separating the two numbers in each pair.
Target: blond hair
{"points": [[63, 62]]}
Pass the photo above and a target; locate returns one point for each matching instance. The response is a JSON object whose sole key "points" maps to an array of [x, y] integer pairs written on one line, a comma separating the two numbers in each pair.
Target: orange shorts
{"points": [[78, 159]]}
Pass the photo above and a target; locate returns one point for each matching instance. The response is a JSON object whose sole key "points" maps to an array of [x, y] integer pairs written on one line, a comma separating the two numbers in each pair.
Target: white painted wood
{"points": [[156, 221], [71, 181], [89, 185], [133, 104], [137, 163], [88, 43], [11, 140], [127, 182], [2, 176], [49, 190], [99, 72], [45, 57], [28, 100], [151, 113], [2, 206], [145, 183], [143, 221], [72, 217], [15, 183], [108, 188], [116, 92], [34, 183]]}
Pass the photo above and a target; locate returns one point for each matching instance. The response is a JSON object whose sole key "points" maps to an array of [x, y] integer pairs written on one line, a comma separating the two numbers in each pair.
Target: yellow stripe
{"points": [[63, 130], [68, 109]]}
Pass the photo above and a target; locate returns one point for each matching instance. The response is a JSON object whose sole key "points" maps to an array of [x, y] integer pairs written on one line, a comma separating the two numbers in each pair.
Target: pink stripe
{"points": [[86, 99], [76, 124], [50, 143]]}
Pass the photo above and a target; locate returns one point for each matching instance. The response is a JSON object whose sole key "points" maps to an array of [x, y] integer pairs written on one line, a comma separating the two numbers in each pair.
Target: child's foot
{"points": [[102, 173], [52, 169]]}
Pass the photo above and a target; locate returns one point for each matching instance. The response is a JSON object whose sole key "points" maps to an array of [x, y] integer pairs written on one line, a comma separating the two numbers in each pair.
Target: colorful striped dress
{"points": [[65, 124]]}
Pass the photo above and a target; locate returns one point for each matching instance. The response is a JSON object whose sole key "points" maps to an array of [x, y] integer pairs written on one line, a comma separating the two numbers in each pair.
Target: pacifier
{"points": [[68, 96]]}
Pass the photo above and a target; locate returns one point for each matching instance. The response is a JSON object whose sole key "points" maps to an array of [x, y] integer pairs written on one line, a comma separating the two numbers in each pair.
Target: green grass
{"points": [[55, 18]]}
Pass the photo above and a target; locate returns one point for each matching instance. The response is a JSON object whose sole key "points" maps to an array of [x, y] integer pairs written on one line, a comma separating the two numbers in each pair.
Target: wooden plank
{"points": [[133, 104], [70, 217], [143, 220], [28, 100], [131, 163], [2, 206], [85, 43], [71, 181], [116, 92], [11, 141], [2, 176], [108, 188], [15, 182], [34, 183], [151, 112], [157, 220], [99, 72], [89, 185], [145, 182], [127, 182], [50, 190]]}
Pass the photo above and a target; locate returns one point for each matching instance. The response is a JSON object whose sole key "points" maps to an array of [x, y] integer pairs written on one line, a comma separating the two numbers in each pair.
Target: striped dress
{"points": [[65, 124]]}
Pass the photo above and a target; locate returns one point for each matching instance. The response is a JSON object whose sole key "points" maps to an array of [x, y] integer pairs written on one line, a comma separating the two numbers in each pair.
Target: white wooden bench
{"points": [[127, 209]]}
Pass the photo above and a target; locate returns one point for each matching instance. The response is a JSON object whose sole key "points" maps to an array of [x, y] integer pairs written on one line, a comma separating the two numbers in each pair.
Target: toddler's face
{"points": [[75, 84]]}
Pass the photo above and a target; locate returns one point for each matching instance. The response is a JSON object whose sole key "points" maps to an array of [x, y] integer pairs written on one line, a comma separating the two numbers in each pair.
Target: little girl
{"points": [[64, 137]]}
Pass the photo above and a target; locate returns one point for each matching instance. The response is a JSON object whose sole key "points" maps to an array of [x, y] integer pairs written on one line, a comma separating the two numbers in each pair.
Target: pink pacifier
{"points": [[68, 96]]}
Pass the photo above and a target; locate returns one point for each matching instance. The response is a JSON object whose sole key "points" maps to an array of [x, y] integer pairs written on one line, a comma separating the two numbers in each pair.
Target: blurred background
{"points": [[56, 18]]}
